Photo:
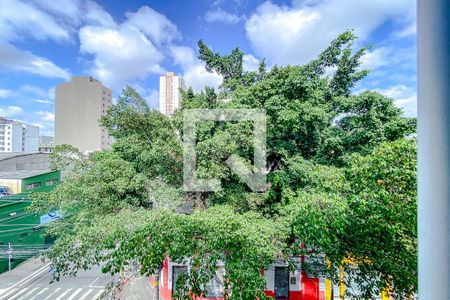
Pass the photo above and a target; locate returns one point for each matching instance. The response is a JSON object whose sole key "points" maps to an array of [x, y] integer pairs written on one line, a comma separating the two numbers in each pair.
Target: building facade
{"points": [[22, 161], [18, 137], [24, 181], [46, 143], [79, 104], [22, 228], [169, 93], [282, 282]]}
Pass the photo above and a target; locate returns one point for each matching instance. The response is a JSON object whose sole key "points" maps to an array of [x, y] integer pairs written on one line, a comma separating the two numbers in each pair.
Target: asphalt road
{"points": [[31, 280]]}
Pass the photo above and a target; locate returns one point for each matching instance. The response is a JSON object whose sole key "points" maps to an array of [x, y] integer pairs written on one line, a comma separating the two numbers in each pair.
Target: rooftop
{"points": [[15, 197], [22, 174], [6, 155]]}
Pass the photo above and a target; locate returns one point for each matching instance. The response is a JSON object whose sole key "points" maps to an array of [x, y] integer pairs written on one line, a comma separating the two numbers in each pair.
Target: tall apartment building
{"points": [[18, 137], [79, 104], [169, 93]]}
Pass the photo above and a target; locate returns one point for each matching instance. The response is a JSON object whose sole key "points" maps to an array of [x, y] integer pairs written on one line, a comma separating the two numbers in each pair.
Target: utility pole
{"points": [[10, 255], [434, 148]]}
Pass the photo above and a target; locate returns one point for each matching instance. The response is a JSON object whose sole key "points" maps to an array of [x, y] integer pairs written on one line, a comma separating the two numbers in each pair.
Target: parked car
{"points": [[5, 191]]}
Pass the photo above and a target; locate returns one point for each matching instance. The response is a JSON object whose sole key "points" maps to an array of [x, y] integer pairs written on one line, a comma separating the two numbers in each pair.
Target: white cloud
{"points": [[45, 128], [155, 25], [235, 2], [43, 101], [128, 51], [94, 14], [404, 97], [43, 20], [72, 13], [297, 34], [18, 18], [375, 58], [407, 32], [16, 59], [46, 115], [220, 15], [5, 93], [51, 93], [250, 63], [35, 90], [194, 73], [10, 111], [120, 55], [151, 96], [408, 26]]}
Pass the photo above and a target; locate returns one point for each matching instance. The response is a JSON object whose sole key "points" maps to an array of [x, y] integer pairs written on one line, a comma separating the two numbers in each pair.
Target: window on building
{"points": [[33, 186], [214, 288], [51, 182], [177, 272]]}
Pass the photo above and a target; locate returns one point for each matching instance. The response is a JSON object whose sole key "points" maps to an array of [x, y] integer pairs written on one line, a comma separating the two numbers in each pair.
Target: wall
{"points": [[14, 184], [78, 108], [26, 161], [42, 179], [31, 143], [301, 287], [294, 288], [16, 138]]}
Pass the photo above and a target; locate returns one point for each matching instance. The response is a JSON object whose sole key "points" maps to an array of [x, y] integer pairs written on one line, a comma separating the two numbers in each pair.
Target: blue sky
{"points": [[44, 42]]}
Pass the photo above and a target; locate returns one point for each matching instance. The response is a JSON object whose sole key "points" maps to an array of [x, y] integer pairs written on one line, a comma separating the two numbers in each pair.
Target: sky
{"points": [[45, 42]]}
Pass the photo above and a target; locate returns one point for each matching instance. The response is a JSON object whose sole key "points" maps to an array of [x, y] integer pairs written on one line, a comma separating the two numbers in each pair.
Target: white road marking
{"points": [[63, 294], [5, 296], [94, 281], [75, 294], [35, 274], [28, 294], [99, 293], [51, 294], [31, 276], [18, 293], [86, 294], [43, 290]]}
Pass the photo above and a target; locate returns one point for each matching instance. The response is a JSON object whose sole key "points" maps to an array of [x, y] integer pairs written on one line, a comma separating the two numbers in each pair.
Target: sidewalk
{"points": [[138, 289]]}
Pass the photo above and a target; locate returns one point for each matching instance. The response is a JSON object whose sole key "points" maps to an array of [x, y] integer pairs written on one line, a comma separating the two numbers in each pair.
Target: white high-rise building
{"points": [[79, 104], [18, 137], [169, 93]]}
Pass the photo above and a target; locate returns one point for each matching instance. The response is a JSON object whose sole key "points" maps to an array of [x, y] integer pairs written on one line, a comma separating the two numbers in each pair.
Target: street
{"points": [[31, 280]]}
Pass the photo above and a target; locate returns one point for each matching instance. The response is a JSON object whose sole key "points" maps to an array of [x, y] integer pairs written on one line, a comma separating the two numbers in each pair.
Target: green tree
{"points": [[372, 222], [229, 66], [127, 204]]}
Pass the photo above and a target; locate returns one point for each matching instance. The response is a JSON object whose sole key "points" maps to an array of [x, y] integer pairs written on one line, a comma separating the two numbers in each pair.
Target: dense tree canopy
{"points": [[341, 181]]}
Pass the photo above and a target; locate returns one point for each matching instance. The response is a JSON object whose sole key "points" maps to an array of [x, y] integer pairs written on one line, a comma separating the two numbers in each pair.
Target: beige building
{"points": [[169, 93], [79, 104]]}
